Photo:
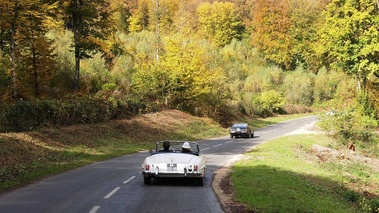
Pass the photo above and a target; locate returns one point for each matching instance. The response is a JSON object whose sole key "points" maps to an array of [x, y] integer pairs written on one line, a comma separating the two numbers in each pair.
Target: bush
{"points": [[24, 115], [295, 109], [370, 205], [298, 87], [269, 102]]}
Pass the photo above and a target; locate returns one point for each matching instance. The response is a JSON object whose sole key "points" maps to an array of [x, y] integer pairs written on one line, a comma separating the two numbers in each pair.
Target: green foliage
{"points": [[353, 122], [25, 115], [219, 22], [181, 79], [23, 40], [271, 31], [325, 86], [298, 87], [265, 79], [91, 24], [151, 14], [350, 37], [269, 102], [190, 55], [369, 205], [305, 17], [5, 79], [95, 74]]}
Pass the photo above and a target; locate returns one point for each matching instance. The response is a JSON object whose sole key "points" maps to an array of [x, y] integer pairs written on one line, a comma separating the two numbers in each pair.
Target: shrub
{"points": [[269, 102], [298, 87], [25, 115]]}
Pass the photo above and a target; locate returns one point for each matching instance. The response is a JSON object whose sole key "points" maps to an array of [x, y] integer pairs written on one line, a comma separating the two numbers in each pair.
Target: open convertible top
{"points": [[176, 147]]}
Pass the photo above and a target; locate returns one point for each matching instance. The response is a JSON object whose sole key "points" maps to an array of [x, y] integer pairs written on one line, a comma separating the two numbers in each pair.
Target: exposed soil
{"points": [[223, 188]]}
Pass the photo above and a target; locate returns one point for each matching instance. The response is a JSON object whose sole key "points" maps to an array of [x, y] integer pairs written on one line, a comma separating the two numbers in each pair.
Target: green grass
{"points": [[284, 176]]}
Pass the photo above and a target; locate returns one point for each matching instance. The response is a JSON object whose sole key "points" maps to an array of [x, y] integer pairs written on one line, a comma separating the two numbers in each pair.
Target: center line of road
{"points": [[204, 149], [128, 180], [217, 145], [112, 193], [94, 209]]}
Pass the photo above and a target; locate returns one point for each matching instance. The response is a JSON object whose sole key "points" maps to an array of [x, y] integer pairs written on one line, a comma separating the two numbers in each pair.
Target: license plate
{"points": [[171, 167]]}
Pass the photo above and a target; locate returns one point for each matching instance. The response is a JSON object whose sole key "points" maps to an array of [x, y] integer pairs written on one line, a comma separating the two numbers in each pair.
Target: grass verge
{"points": [[29, 156], [283, 175]]}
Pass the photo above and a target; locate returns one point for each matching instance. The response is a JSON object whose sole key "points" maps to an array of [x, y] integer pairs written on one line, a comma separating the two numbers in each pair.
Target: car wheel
{"points": [[231, 136], [199, 181], [147, 180]]}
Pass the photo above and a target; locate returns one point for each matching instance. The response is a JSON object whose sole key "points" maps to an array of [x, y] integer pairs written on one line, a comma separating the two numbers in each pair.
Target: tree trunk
{"points": [[35, 73], [158, 29], [77, 66], [14, 76], [76, 25]]}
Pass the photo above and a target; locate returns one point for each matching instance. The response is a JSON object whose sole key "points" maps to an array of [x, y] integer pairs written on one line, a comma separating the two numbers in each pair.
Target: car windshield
{"points": [[176, 146], [239, 126]]}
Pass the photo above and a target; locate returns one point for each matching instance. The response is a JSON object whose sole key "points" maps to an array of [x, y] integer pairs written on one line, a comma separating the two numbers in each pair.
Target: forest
{"points": [[82, 61]]}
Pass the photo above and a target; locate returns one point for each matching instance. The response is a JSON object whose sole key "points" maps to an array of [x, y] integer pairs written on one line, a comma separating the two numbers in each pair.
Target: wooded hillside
{"points": [[70, 61]]}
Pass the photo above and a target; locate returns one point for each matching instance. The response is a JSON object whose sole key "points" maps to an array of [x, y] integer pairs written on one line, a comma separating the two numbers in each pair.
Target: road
{"points": [[117, 185]]}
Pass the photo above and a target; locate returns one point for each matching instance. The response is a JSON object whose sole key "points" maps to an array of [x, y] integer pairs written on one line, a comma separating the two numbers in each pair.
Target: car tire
{"points": [[231, 136], [147, 180], [199, 181]]}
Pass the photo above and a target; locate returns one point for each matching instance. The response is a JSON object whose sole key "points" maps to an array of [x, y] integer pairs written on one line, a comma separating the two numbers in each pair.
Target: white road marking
{"points": [[128, 180], [204, 149], [229, 142], [217, 145], [112, 193], [94, 209]]}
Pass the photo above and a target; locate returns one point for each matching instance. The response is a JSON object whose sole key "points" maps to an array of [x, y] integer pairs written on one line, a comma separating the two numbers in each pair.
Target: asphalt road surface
{"points": [[117, 185]]}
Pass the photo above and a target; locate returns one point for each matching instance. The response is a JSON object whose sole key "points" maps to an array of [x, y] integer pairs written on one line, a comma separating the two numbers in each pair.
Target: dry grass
{"points": [[27, 156]]}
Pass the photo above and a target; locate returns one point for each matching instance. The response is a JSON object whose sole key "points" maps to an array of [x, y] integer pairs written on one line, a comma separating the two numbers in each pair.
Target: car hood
{"points": [[173, 158]]}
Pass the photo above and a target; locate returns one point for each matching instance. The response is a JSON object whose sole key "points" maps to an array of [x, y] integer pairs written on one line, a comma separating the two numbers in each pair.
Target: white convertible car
{"points": [[174, 159]]}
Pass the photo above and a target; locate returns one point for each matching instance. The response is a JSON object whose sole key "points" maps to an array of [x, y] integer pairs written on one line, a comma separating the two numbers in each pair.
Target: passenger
{"points": [[186, 148]]}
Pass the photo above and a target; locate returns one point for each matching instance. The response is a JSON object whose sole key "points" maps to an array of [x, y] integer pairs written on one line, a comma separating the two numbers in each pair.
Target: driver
{"points": [[166, 146]]}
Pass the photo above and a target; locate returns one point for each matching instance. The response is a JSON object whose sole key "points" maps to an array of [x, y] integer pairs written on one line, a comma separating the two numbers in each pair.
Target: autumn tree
{"points": [[91, 23], [181, 78], [23, 39], [219, 22], [122, 13], [37, 50], [351, 38], [152, 14], [271, 34], [9, 22], [305, 19], [140, 17], [244, 8]]}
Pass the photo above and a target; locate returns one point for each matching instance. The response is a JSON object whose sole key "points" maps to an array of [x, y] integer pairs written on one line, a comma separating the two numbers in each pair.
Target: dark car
{"points": [[241, 129]]}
